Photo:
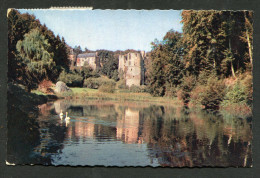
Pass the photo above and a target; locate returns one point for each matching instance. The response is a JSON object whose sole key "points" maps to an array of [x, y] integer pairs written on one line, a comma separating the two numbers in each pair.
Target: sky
{"points": [[109, 29]]}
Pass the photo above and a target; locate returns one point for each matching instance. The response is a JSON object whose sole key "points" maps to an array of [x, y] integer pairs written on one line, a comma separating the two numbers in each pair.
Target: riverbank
{"points": [[122, 95], [26, 102], [119, 95]]}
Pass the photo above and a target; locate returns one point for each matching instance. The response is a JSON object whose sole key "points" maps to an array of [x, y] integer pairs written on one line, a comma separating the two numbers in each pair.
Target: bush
{"points": [[107, 88], [95, 83], [213, 93], [71, 79], [45, 86], [247, 82], [115, 75], [122, 84], [235, 94], [196, 94], [137, 89], [188, 84], [171, 91]]}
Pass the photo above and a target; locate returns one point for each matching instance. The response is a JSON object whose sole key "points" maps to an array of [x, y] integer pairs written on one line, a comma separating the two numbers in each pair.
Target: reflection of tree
{"points": [[26, 135], [199, 140], [23, 135], [174, 136]]}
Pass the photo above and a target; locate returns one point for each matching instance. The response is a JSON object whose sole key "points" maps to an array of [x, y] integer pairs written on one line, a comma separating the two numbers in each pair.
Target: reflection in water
{"points": [[136, 134]]}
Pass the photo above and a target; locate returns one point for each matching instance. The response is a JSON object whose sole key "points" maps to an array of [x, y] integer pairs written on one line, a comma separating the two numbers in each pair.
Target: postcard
{"points": [[159, 88]]}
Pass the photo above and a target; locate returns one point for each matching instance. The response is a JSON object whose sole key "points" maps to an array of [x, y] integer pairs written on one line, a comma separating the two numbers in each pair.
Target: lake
{"points": [[111, 133]]}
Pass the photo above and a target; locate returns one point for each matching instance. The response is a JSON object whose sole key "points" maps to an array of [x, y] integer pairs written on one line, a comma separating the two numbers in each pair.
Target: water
{"points": [[110, 133]]}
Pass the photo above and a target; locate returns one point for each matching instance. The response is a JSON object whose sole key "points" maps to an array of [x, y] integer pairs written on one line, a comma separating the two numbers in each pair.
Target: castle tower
{"points": [[131, 68], [134, 70]]}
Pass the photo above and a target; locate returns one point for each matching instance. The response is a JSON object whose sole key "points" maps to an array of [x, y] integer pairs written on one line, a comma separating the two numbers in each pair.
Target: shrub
{"points": [[213, 93], [115, 75], [188, 84], [45, 86], [235, 94], [91, 83], [171, 91], [122, 84], [137, 89], [95, 83], [196, 94], [247, 82], [71, 79], [107, 88]]}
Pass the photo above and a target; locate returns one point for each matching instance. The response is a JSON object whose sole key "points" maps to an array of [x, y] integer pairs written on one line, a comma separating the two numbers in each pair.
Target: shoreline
{"points": [[119, 96]]}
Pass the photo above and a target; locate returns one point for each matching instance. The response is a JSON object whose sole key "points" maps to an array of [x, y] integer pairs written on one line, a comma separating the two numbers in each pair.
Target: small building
{"points": [[91, 59]]}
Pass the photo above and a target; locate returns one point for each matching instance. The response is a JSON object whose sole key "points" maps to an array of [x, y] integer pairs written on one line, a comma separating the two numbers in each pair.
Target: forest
{"points": [[208, 64]]}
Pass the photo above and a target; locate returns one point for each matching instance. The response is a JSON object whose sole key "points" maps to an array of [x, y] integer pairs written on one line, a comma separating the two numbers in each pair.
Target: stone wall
{"points": [[132, 67], [92, 61]]}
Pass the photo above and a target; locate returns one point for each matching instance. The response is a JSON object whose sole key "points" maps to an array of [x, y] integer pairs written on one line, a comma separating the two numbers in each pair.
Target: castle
{"points": [[91, 59], [131, 68]]}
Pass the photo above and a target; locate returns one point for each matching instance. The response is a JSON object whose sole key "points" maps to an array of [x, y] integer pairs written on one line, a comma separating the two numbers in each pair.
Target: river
{"points": [[110, 133]]}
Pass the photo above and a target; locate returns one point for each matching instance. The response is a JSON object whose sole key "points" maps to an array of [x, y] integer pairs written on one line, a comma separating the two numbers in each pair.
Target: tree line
{"points": [[213, 47], [34, 52]]}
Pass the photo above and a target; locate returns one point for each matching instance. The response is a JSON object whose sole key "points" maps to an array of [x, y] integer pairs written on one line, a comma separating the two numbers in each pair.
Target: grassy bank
{"points": [[118, 95], [124, 95]]}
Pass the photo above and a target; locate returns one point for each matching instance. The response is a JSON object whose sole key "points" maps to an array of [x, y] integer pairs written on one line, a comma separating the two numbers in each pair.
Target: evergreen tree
{"points": [[167, 67]]}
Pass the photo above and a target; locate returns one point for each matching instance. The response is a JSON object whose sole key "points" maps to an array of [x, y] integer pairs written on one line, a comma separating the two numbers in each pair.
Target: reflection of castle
{"points": [[128, 126], [131, 68], [81, 130], [173, 141]]}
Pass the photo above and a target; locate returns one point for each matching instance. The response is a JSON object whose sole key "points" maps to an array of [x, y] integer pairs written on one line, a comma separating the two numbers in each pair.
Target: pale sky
{"points": [[109, 29]]}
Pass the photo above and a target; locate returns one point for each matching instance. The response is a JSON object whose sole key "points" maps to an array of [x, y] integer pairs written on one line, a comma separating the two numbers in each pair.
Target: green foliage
{"points": [[86, 72], [235, 94], [95, 83], [213, 93], [137, 89], [188, 83], [107, 88], [167, 67], [122, 84], [171, 91], [217, 40], [72, 79], [33, 47], [109, 64], [115, 75], [35, 58]]}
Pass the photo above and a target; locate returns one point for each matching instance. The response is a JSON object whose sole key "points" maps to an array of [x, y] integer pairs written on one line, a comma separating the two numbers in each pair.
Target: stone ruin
{"points": [[131, 68]]}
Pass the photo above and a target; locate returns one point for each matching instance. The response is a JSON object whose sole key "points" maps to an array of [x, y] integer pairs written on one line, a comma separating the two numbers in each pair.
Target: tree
{"points": [[247, 34], [167, 68], [77, 50], [109, 61], [35, 57], [18, 26], [217, 40]]}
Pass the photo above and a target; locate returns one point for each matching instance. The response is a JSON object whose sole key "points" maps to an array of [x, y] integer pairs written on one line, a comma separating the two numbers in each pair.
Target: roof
{"points": [[84, 55]]}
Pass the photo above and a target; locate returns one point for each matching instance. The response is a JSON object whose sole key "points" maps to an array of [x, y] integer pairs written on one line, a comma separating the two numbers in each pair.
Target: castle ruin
{"points": [[91, 59], [131, 68]]}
